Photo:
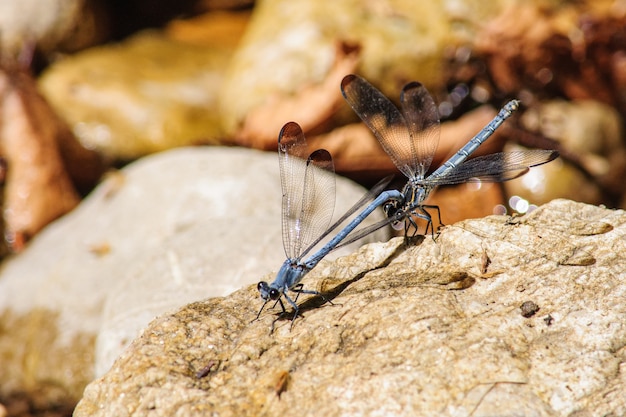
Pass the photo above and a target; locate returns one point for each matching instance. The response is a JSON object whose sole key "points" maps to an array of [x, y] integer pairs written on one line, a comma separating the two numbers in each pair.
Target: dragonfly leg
{"points": [[420, 213], [408, 224], [428, 217], [433, 207], [282, 306], [296, 310], [299, 289], [259, 313]]}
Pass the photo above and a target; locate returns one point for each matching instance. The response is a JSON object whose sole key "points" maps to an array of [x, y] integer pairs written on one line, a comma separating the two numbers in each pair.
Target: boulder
{"points": [[496, 316]]}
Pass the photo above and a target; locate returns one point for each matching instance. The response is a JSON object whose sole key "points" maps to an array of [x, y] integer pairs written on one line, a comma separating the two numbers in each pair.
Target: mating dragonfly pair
{"points": [[410, 137]]}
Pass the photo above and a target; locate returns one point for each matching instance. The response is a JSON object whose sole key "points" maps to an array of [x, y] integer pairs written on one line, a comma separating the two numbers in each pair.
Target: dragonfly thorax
{"points": [[414, 194]]}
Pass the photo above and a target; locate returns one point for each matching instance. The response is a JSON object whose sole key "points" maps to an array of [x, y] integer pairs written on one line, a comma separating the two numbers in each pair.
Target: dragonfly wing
{"points": [[318, 199], [495, 167], [383, 119], [292, 154], [367, 197], [422, 118], [308, 188]]}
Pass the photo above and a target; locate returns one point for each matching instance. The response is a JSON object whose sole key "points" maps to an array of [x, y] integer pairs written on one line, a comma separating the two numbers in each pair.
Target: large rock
{"points": [[144, 95], [167, 230], [499, 316]]}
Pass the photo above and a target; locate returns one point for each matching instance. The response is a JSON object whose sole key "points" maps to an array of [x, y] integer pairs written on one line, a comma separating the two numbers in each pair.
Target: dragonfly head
{"points": [[395, 211], [392, 207], [267, 292]]}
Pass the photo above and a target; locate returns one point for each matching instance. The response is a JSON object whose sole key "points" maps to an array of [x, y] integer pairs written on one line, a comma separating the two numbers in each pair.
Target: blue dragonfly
{"points": [[308, 188], [410, 137]]}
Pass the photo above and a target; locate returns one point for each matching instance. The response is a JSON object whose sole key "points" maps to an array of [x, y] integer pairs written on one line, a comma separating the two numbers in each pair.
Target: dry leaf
{"points": [[567, 50], [310, 107], [38, 188]]}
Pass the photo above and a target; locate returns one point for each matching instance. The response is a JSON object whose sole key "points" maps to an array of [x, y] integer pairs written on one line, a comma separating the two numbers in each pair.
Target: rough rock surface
{"points": [[167, 230], [437, 328]]}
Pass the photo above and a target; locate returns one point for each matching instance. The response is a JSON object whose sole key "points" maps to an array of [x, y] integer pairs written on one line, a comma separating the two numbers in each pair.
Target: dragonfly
{"points": [[308, 189], [410, 137]]}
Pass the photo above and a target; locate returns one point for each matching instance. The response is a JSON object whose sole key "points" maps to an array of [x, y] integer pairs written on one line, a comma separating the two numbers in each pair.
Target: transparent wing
{"points": [[383, 119], [318, 199], [292, 151], [308, 188], [496, 167], [422, 118], [367, 197]]}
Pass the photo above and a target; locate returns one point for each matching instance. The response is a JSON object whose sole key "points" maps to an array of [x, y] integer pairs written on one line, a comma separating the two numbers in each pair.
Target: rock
{"points": [[593, 156], [432, 329], [214, 29], [147, 94], [65, 25], [167, 230]]}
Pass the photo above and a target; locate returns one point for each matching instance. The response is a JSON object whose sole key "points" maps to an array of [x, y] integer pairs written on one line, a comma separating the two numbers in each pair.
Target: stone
{"points": [[430, 329], [42, 162], [589, 170], [53, 26], [166, 230], [147, 94]]}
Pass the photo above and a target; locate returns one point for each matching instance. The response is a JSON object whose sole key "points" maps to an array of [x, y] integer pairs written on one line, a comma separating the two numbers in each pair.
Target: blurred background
{"points": [[90, 86], [98, 84]]}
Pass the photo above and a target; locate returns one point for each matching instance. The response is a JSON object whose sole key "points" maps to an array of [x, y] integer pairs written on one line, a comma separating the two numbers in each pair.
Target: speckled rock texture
{"points": [[435, 328]]}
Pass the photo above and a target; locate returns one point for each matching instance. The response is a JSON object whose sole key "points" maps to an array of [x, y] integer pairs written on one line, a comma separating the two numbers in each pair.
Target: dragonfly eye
{"points": [[274, 294], [263, 289], [390, 208]]}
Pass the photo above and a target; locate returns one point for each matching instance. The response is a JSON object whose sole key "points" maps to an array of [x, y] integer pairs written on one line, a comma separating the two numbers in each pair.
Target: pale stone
{"points": [[432, 329], [590, 135]]}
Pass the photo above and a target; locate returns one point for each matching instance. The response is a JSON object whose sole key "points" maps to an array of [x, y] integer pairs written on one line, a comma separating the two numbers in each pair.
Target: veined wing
{"points": [[422, 118], [383, 119], [367, 197], [308, 187], [496, 167], [319, 199]]}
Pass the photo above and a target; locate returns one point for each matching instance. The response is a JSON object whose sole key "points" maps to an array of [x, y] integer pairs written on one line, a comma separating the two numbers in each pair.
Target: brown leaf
{"points": [[572, 50], [38, 188], [310, 107]]}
